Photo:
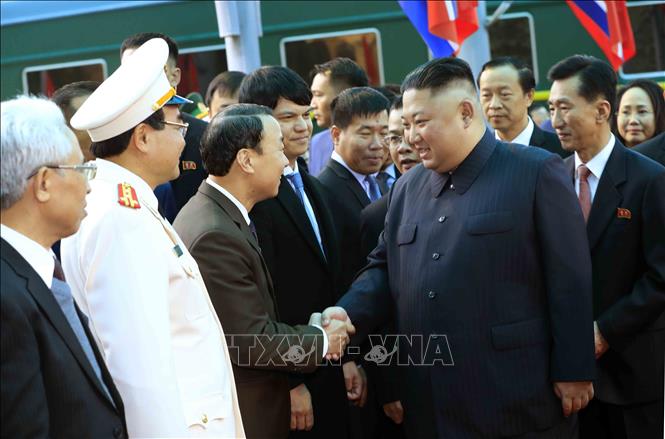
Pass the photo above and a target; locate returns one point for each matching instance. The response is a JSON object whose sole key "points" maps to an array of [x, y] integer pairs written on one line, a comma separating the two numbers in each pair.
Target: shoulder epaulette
{"points": [[127, 196]]}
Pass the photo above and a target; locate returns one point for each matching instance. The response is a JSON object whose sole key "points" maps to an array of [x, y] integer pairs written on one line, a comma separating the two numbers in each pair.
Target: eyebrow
{"points": [[557, 101]]}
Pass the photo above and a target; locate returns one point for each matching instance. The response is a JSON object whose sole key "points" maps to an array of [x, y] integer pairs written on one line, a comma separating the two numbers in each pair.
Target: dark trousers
{"points": [[601, 420]]}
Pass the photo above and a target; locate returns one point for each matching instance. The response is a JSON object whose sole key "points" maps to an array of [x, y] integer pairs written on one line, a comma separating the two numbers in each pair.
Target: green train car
{"points": [[51, 43]]}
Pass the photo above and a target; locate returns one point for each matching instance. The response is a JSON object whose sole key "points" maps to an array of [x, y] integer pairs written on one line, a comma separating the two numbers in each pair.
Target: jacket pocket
{"points": [[520, 334], [406, 234], [492, 222], [203, 411]]}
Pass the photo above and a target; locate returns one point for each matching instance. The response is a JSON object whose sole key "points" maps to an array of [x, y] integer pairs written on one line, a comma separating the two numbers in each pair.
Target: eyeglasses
{"points": [[88, 170], [182, 129], [393, 140]]}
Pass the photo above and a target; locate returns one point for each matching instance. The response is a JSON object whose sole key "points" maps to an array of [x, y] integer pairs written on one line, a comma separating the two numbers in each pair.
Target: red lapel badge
{"points": [[127, 196], [623, 213], [188, 165]]}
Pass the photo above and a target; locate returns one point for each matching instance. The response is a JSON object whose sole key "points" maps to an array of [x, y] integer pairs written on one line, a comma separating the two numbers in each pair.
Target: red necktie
{"points": [[585, 192]]}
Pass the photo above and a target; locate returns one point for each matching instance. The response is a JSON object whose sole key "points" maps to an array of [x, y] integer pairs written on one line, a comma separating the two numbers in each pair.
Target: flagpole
{"points": [[476, 48], [239, 23]]}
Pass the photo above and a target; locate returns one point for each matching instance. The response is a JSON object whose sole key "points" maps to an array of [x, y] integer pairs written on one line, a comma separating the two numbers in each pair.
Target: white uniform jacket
{"points": [[150, 313]]}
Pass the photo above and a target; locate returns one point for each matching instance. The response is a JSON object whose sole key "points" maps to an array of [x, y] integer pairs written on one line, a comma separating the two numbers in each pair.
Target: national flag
{"points": [[444, 25], [608, 24]]}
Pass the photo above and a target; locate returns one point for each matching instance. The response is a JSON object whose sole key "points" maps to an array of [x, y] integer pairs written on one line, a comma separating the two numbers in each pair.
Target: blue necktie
{"points": [[63, 296], [374, 191], [296, 181]]}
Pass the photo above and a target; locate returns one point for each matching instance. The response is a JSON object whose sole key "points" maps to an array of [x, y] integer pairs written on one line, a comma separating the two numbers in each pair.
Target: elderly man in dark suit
{"points": [[484, 261], [244, 153], [506, 88], [622, 195], [298, 242], [54, 380]]}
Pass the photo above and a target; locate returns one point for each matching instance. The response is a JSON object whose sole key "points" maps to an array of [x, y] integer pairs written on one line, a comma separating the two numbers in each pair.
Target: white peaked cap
{"points": [[137, 89]]}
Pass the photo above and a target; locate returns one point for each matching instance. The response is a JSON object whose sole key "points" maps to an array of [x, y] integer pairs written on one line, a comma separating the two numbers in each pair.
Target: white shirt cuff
{"points": [[325, 340]]}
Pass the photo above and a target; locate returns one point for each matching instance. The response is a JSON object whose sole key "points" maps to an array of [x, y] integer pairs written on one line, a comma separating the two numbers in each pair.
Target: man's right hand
{"points": [[337, 339], [302, 412], [574, 395]]}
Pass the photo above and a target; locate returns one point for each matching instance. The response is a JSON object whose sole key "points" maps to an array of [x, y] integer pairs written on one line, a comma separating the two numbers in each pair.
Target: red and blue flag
{"points": [[608, 24], [444, 25]]}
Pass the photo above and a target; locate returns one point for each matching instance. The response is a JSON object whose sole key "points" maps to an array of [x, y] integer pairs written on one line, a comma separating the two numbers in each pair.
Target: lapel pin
{"points": [[623, 213]]}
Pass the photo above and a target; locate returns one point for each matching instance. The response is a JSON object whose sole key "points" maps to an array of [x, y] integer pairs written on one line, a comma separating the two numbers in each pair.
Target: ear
{"points": [[244, 160], [467, 111], [42, 183], [335, 133], [140, 138], [529, 96], [603, 113], [175, 78]]}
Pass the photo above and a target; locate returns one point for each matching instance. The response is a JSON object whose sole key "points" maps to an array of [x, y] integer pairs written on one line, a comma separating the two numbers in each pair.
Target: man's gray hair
{"points": [[33, 133]]}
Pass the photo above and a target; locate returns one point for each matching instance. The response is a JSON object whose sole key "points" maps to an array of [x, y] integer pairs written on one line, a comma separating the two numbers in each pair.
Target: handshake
{"points": [[338, 328]]}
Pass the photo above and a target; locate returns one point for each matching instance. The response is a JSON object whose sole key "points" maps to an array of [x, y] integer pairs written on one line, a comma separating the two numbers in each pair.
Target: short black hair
{"points": [[266, 85], [386, 92], [655, 93], [64, 96], [236, 127], [135, 41], [596, 77], [118, 144], [526, 79], [397, 104], [343, 72], [356, 102], [439, 73], [227, 83]]}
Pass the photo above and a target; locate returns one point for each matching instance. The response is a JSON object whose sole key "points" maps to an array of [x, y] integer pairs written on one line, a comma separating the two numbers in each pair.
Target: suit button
{"points": [[452, 187], [436, 256], [117, 432], [442, 219], [435, 337], [431, 294]]}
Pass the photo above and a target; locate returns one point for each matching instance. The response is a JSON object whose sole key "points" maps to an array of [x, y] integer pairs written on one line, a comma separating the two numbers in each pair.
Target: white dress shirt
{"points": [[522, 138], [39, 258], [361, 178], [234, 200], [596, 165]]}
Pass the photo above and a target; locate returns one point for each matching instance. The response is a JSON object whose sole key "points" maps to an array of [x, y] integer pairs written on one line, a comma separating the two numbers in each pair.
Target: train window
{"points": [[302, 52], [648, 22], [199, 65], [514, 35], [46, 79]]}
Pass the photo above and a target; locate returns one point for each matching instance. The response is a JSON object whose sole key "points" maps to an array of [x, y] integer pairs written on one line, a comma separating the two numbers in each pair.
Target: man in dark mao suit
{"points": [[484, 257], [622, 195]]}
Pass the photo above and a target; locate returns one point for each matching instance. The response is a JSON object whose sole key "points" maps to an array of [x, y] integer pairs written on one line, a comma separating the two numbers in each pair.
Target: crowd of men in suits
{"points": [[440, 266]]}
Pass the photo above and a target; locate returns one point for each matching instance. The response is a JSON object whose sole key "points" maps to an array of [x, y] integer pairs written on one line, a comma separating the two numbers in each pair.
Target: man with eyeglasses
{"points": [[149, 309], [54, 381]]}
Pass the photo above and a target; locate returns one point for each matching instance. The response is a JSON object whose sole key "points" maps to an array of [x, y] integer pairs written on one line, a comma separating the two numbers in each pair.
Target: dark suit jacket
{"points": [[372, 218], [241, 290], [348, 199], [548, 141], [305, 282], [49, 388], [496, 270], [192, 172], [653, 148], [628, 256]]}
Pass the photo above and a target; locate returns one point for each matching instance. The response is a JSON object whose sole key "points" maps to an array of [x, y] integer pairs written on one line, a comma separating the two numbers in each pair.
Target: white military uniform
{"points": [[149, 310]]}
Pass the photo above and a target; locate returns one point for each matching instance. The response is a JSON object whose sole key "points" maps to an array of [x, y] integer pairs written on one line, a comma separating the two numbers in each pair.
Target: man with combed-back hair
{"points": [[54, 380], [483, 261], [622, 195], [244, 154]]}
